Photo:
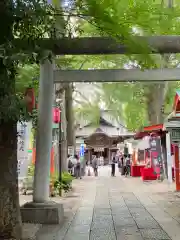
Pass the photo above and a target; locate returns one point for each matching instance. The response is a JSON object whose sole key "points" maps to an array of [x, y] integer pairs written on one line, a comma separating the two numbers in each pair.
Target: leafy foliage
{"points": [[27, 76], [22, 19], [65, 184], [123, 20]]}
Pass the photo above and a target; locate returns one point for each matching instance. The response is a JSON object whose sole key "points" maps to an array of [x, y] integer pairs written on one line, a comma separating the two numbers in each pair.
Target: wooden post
{"points": [[169, 157], [177, 172]]}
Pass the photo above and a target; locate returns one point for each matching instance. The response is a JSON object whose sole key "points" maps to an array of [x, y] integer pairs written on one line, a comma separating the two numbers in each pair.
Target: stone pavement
{"points": [[119, 208], [70, 203]]}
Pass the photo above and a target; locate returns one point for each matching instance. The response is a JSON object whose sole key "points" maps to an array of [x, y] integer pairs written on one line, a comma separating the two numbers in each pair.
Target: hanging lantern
{"points": [[56, 115], [30, 99]]}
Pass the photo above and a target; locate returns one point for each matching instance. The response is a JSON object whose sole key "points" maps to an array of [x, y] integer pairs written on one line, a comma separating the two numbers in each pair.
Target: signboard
{"points": [[98, 149], [175, 135], [81, 153], [24, 159], [156, 154], [140, 156], [99, 140]]}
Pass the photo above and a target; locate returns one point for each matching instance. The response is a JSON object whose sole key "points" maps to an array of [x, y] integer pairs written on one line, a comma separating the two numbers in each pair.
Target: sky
{"points": [[65, 3]]}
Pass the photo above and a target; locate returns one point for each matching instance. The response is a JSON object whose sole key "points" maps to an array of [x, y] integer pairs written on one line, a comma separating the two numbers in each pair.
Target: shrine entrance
{"points": [[101, 145]]}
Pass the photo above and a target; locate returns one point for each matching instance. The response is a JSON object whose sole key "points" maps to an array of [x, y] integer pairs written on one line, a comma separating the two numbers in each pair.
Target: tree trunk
{"points": [[70, 116], [10, 218], [155, 103]]}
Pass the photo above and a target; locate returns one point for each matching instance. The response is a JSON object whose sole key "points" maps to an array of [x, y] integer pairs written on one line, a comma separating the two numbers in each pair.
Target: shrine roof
{"points": [[147, 130], [89, 130], [156, 127], [107, 125]]}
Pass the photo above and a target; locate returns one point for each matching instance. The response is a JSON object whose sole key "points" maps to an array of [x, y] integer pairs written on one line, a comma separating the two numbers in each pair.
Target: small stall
{"points": [[162, 156], [173, 127], [153, 168], [139, 154], [152, 164]]}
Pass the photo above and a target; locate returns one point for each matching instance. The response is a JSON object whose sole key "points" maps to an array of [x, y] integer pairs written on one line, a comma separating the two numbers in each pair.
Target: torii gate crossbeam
{"points": [[117, 75], [100, 45]]}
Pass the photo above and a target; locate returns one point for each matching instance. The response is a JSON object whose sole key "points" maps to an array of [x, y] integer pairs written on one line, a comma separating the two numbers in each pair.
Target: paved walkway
{"points": [[120, 208]]}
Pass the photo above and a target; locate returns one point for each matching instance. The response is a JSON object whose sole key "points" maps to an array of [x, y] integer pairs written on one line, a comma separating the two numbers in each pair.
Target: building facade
{"points": [[101, 139]]}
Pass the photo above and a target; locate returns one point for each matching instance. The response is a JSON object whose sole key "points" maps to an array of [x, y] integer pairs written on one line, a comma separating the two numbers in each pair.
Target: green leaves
{"points": [[27, 76], [88, 112]]}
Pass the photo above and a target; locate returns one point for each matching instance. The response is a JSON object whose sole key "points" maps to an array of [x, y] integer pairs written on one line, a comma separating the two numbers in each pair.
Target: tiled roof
{"points": [[110, 131], [110, 126]]}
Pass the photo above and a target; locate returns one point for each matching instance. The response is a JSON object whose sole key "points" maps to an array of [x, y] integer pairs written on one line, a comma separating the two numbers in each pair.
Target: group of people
{"points": [[124, 165], [74, 166]]}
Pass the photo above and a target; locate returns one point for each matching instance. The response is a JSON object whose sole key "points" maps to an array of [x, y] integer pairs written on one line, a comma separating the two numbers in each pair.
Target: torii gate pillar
{"points": [[44, 134], [41, 210]]}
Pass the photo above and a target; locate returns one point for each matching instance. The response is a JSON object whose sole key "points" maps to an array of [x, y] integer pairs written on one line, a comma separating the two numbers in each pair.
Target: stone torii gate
{"points": [[49, 76]]}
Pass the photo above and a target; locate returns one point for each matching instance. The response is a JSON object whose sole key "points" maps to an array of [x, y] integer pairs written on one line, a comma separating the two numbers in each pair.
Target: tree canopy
{"points": [[138, 104]]}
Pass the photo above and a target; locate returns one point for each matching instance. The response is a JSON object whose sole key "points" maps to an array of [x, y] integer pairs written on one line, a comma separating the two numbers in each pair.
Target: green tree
{"points": [[123, 20], [27, 76], [24, 20], [88, 111]]}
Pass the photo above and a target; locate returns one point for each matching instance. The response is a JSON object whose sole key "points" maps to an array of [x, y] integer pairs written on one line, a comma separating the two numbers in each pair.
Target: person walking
{"points": [[70, 165], [127, 166], [113, 166], [95, 165], [78, 167], [123, 167], [119, 164]]}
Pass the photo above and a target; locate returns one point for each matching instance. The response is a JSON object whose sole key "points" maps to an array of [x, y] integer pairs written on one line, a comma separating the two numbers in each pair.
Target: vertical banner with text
{"points": [[24, 133], [156, 154]]}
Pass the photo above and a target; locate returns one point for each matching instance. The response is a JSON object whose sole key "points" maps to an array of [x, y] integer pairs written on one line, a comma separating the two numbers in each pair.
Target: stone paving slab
{"points": [[157, 234], [122, 209], [147, 224], [124, 221], [103, 234]]}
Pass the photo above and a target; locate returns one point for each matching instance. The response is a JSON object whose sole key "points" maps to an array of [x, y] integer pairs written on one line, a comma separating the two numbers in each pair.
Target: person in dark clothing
{"points": [[113, 166], [119, 165], [78, 167], [127, 166], [95, 166], [70, 165], [122, 165]]}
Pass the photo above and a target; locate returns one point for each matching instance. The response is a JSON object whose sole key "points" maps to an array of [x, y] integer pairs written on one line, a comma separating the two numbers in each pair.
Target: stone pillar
{"points": [[44, 134], [41, 210], [169, 158]]}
